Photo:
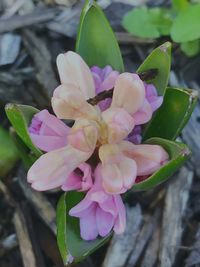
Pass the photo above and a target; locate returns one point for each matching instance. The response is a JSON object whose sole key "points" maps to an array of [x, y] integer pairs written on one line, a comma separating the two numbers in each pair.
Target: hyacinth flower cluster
{"points": [[101, 153]]}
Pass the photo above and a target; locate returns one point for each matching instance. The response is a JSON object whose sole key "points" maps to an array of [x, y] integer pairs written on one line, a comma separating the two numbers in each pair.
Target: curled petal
{"points": [[105, 221], [82, 208], [69, 103], [119, 124], [52, 169], [152, 96], [48, 132], [118, 171], [149, 158], [144, 114], [73, 70], [120, 223], [129, 93], [79, 181]]}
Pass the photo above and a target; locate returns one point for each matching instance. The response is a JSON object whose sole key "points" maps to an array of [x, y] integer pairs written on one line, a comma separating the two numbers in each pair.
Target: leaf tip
{"points": [[186, 152], [166, 47], [194, 94], [9, 106]]}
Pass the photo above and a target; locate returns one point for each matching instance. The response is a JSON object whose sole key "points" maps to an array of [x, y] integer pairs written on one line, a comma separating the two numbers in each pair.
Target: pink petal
{"points": [[69, 103], [88, 225], [156, 102], [109, 81], [118, 171], [149, 158], [83, 135], [129, 93], [77, 182], [48, 132], [120, 222], [144, 114], [48, 143], [104, 221], [82, 208], [52, 169], [119, 124], [51, 124], [73, 70], [73, 183]]}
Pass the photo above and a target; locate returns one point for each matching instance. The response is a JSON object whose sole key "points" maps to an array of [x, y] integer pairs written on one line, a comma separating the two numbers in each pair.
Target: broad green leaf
{"points": [[172, 116], [8, 153], [68, 230], [26, 156], [20, 117], [186, 27], [148, 22], [159, 59], [191, 48], [96, 42], [179, 5], [178, 154]]}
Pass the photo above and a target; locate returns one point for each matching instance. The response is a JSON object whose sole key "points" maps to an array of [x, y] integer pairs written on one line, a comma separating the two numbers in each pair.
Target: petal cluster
{"points": [[100, 153]]}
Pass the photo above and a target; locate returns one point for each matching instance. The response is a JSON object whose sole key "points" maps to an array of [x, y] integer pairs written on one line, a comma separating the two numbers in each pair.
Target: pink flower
{"points": [[48, 132], [104, 80], [152, 96], [148, 158], [95, 133], [80, 179], [99, 212]]}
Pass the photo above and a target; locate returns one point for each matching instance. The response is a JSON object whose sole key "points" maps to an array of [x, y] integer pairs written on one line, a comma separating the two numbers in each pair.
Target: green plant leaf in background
{"points": [[8, 153], [179, 5], [170, 119], [178, 154], [96, 42], [20, 117], [191, 48], [186, 26], [159, 59], [148, 22], [68, 230]]}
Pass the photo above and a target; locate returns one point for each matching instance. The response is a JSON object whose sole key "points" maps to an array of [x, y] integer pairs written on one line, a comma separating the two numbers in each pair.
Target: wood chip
{"points": [[145, 234], [127, 38], [7, 244], [175, 206], [194, 256], [18, 21], [66, 2], [9, 48], [122, 245], [151, 252], [26, 248], [43, 61], [39, 202], [66, 23], [191, 136]]}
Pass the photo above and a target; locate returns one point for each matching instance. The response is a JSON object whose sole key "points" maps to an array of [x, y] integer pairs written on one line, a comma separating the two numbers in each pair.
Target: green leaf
{"points": [[191, 48], [178, 154], [8, 153], [24, 153], [159, 59], [172, 116], [20, 117], [96, 42], [185, 27], [179, 5], [68, 230], [148, 22]]}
